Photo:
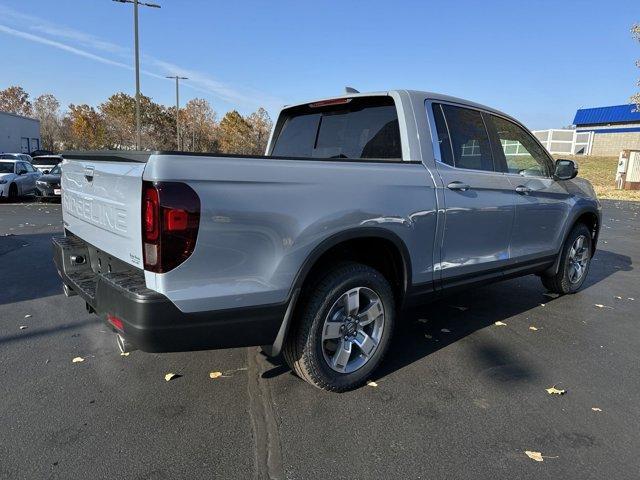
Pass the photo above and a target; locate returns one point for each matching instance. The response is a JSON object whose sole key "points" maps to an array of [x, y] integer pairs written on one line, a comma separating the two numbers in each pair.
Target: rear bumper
{"points": [[151, 322], [47, 192]]}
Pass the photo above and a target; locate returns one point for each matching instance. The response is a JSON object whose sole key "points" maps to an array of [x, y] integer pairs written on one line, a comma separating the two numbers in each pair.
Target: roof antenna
{"points": [[350, 90]]}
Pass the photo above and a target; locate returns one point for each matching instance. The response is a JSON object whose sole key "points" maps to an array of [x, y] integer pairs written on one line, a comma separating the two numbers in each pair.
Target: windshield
{"points": [[46, 161], [55, 170], [364, 127], [6, 167]]}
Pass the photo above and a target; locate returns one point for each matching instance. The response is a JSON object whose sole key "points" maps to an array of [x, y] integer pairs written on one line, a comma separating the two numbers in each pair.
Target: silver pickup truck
{"points": [[363, 205]]}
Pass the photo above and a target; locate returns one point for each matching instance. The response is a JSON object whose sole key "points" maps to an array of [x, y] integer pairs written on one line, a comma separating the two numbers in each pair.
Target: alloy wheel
{"points": [[352, 330]]}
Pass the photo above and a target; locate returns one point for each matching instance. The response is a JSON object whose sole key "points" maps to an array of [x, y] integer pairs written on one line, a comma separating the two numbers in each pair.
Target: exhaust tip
{"points": [[124, 345]]}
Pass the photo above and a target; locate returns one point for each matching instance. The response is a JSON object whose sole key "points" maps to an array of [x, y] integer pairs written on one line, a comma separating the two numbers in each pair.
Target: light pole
{"points": [[178, 78], [137, 54]]}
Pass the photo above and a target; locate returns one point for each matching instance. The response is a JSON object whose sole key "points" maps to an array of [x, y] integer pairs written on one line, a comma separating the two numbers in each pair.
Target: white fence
{"points": [[568, 142]]}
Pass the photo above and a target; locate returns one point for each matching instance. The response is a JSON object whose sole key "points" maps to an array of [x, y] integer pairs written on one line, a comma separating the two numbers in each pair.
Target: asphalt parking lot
{"points": [[458, 396]]}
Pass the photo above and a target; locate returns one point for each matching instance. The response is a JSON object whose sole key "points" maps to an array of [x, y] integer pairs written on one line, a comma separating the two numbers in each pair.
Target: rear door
{"points": [[101, 202], [542, 203], [478, 199]]}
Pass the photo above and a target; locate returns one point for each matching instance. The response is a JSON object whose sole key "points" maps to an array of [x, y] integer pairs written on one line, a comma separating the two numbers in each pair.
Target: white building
{"points": [[564, 141], [18, 134]]}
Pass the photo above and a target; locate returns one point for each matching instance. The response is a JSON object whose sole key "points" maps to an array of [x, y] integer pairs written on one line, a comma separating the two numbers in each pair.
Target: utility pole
{"points": [[178, 78], [137, 55]]}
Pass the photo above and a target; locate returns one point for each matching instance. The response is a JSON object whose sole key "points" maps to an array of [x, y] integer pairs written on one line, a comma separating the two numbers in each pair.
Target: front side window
{"points": [[522, 153], [365, 127], [462, 130]]}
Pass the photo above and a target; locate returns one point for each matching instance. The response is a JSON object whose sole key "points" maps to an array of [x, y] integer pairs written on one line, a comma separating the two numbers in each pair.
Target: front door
{"points": [[542, 204], [478, 199]]}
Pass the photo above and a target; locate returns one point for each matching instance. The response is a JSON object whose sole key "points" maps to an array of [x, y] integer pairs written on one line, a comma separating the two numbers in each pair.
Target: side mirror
{"points": [[565, 169]]}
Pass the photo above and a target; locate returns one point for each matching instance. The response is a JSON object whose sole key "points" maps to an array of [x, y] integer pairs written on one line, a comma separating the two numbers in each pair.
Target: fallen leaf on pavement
{"points": [[618, 297], [462, 309], [533, 328], [596, 409], [537, 456], [599, 305], [500, 324], [423, 320], [428, 337], [170, 376], [124, 354], [27, 316], [445, 330], [23, 327], [554, 391], [78, 360], [371, 383], [215, 374], [543, 304]]}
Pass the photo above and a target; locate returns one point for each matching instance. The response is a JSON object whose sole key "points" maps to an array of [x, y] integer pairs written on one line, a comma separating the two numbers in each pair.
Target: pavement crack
{"points": [[268, 453]]}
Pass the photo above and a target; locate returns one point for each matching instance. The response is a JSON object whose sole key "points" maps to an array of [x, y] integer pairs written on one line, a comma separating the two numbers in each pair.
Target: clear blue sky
{"points": [[537, 60]]}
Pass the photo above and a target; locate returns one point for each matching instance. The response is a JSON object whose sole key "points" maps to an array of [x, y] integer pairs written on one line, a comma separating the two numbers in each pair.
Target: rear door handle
{"points": [[522, 190], [463, 187]]}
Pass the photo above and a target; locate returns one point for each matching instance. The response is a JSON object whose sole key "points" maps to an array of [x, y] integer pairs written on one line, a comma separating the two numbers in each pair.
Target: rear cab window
{"points": [[352, 128], [463, 138]]}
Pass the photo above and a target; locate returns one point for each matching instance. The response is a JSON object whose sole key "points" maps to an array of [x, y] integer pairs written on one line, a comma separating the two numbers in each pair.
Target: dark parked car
{"points": [[45, 163], [48, 185]]}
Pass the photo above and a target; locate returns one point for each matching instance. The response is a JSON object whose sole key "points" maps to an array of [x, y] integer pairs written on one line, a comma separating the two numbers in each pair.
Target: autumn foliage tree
{"points": [[112, 124], [15, 100]]}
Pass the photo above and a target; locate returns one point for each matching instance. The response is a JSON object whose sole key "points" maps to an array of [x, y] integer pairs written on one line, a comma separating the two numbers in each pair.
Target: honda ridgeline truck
{"points": [[363, 204]]}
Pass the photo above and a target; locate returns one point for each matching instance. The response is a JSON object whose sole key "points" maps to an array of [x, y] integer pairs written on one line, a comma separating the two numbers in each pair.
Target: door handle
{"points": [[522, 190], [463, 187]]}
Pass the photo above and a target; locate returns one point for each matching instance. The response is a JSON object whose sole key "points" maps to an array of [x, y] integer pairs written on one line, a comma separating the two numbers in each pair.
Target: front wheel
{"points": [[574, 265], [344, 329]]}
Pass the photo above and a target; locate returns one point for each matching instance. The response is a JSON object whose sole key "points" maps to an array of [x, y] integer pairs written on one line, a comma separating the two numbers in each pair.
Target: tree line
{"points": [[111, 125]]}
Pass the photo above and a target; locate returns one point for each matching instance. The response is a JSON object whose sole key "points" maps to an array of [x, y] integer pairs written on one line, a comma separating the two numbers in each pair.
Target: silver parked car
{"points": [[363, 204], [17, 177]]}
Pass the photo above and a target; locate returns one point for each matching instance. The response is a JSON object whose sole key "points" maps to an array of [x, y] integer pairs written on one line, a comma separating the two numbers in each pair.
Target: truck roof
{"points": [[415, 94]]}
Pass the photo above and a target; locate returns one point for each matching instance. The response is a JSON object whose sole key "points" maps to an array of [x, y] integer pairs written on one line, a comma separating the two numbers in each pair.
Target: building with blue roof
{"points": [[612, 128]]}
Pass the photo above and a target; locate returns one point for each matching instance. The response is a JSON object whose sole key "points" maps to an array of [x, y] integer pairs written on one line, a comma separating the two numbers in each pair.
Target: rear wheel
{"points": [[574, 262], [344, 329]]}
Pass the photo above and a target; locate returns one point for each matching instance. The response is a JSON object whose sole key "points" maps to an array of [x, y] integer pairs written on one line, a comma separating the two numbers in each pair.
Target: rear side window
{"points": [[467, 136], [364, 127]]}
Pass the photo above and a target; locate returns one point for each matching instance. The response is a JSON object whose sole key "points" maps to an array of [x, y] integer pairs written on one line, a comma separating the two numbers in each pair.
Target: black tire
{"points": [[13, 193], [304, 350], [561, 282]]}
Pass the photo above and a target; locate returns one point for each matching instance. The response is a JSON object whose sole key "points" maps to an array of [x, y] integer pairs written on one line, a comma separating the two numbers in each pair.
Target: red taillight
{"points": [[151, 206], [176, 219], [115, 321], [170, 221]]}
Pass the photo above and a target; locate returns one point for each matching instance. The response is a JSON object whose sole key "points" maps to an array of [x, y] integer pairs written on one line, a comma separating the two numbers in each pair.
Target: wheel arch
{"points": [[330, 249], [586, 215]]}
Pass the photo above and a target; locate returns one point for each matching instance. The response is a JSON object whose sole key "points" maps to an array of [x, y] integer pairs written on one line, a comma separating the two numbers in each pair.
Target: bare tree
{"points": [[47, 109], [198, 126], [15, 100], [261, 124]]}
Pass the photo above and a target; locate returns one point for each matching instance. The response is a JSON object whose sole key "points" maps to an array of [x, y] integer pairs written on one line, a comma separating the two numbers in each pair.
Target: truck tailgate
{"points": [[101, 203]]}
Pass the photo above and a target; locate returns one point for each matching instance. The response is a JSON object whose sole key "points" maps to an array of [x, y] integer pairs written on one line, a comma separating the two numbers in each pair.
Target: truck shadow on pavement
{"points": [[425, 330]]}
